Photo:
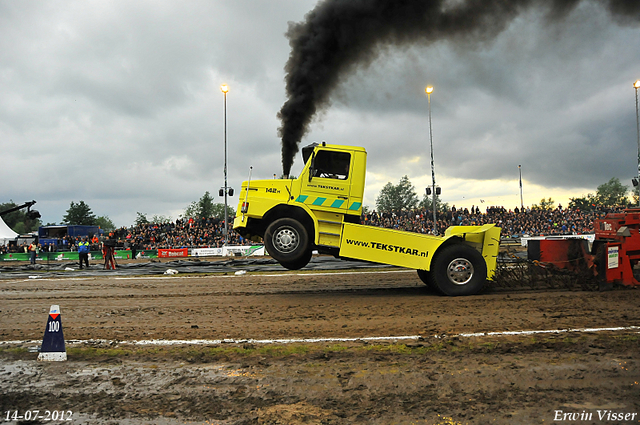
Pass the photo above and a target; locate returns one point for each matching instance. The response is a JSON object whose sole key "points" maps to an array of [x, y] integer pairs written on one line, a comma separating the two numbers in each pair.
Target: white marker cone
{"points": [[53, 349]]}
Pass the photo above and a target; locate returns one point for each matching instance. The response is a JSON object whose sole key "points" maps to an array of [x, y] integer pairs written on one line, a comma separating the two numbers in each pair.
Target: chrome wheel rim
{"points": [[460, 271], [286, 240]]}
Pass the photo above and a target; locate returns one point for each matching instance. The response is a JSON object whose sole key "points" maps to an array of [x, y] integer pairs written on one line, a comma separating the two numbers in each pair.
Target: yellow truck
{"points": [[321, 209]]}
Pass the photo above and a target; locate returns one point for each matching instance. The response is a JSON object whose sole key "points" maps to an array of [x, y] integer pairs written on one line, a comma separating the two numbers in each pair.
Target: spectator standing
{"points": [[134, 248], [83, 252], [33, 251]]}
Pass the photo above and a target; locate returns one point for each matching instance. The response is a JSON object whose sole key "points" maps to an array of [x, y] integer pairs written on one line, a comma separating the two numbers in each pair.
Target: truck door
{"points": [[328, 184]]}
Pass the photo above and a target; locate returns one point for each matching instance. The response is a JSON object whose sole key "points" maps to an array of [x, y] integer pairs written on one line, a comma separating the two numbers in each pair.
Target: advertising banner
{"points": [[45, 256], [244, 250], [613, 257], [73, 256], [147, 253], [170, 253], [207, 252], [256, 250], [66, 256], [16, 256], [228, 251], [120, 255]]}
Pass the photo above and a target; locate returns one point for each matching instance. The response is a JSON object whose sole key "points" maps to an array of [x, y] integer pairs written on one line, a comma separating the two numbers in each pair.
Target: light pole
{"points": [[429, 90], [636, 85], [521, 200], [225, 89]]}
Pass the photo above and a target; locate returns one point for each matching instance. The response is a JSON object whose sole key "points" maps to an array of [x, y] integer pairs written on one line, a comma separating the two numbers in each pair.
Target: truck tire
{"points": [[459, 270], [287, 242], [425, 277], [297, 265]]}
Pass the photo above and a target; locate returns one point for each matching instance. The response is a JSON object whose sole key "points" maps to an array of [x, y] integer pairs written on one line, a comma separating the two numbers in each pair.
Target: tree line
{"points": [[80, 213], [403, 197]]}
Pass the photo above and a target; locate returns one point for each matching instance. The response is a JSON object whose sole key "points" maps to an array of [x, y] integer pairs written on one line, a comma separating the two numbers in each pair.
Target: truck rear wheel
{"points": [[459, 270], [288, 242]]}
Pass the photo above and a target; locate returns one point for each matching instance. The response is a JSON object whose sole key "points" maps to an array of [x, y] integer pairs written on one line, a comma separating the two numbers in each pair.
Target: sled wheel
{"points": [[287, 241], [459, 270]]}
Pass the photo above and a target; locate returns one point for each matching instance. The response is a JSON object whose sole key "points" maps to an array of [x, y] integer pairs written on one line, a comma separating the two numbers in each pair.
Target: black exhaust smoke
{"points": [[339, 35]]}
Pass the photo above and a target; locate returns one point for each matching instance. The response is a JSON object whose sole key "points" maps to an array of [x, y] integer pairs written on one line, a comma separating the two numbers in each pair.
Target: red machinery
{"points": [[617, 246], [614, 252]]}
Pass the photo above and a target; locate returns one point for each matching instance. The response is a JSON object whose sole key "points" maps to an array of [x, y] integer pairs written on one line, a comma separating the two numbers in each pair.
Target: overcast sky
{"points": [[118, 104]]}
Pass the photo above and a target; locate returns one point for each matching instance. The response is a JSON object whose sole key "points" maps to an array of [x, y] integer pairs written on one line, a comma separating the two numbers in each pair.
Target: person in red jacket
{"points": [[108, 248]]}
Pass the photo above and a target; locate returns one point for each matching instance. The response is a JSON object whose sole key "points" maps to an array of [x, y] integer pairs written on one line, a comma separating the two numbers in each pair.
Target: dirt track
{"points": [[499, 379]]}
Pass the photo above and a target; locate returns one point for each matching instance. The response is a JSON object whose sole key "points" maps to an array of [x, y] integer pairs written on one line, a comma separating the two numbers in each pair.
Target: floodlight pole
{"points": [[225, 89], [636, 85], [521, 199]]}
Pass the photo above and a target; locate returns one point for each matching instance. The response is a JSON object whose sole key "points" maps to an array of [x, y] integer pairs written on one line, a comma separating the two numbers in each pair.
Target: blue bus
{"points": [[57, 235]]}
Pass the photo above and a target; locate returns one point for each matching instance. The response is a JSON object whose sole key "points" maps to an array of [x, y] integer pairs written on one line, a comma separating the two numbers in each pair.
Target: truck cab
{"points": [[327, 193]]}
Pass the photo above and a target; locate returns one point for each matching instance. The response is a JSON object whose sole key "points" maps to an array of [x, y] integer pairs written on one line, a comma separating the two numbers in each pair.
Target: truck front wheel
{"points": [[287, 241], [459, 270], [297, 265]]}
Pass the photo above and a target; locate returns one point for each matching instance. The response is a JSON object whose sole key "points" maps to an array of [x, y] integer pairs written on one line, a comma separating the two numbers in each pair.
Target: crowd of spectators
{"points": [[183, 233], [514, 223], [23, 248], [208, 232], [9, 249], [187, 233]]}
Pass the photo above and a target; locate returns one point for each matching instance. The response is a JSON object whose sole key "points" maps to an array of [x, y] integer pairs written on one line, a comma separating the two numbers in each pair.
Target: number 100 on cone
{"points": [[53, 348]]}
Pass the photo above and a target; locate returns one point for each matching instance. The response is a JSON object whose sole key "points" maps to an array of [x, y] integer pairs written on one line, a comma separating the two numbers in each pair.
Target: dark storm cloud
{"points": [[121, 100], [339, 35]]}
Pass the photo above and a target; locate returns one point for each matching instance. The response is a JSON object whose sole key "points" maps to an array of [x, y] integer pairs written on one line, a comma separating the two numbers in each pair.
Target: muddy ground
{"points": [[444, 377]]}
